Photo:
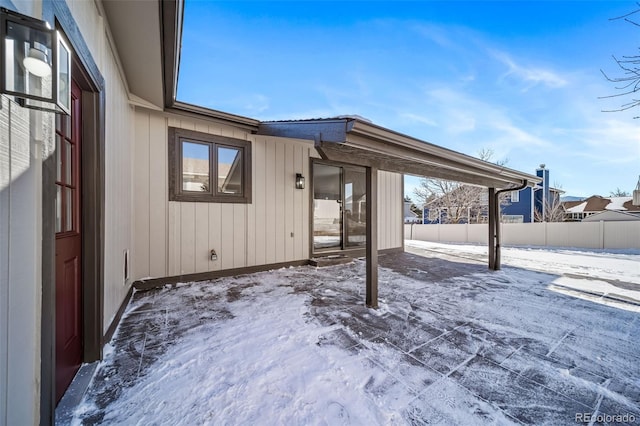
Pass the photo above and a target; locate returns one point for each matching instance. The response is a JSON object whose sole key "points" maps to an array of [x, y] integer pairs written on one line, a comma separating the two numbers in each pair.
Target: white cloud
{"points": [[531, 75], [419, 119], [436, 34], [256, 104]]}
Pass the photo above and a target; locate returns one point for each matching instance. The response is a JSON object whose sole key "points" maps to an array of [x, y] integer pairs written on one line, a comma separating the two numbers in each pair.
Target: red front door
{"points": [[69, 337]]}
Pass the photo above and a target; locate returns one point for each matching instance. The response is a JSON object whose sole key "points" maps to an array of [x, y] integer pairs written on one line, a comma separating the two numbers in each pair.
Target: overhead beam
{"points": [[410, 163], [372, 237]]}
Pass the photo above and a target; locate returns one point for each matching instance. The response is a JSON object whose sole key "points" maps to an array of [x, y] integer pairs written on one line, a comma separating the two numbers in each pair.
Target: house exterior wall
{"points": [[22, 142], [118, 214], [174, 238], [26, 139], [119, 134], [390, 210], [612, 216]]}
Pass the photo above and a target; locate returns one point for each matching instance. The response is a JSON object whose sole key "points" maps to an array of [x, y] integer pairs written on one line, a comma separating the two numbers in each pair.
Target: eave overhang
{"points": [[195, 111], [362, 143], [137, 32]]}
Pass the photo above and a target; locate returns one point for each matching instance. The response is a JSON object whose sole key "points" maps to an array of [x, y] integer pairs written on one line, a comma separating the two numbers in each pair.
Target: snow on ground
{"points": [[451, 343], [621, 265]]}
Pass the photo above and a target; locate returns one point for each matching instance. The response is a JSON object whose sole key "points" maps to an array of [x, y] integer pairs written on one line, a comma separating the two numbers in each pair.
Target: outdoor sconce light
{"points": [[299, 181], [35, 63]]}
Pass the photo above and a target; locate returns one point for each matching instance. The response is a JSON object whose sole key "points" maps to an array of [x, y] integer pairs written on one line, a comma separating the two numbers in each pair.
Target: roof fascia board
{"points": [[386, 148], [171, 19], [406, 164], [386, 136], [184, 109]]}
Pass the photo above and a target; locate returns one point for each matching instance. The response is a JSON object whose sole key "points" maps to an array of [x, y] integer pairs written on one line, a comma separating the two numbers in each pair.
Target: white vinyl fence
{"points": [[597, 235]]}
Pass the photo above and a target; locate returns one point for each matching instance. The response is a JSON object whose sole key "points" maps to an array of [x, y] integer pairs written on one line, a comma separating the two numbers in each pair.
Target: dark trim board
{"points": [[357, 252], [116, 320], [148, 284], [92, 82], [372, 238]]}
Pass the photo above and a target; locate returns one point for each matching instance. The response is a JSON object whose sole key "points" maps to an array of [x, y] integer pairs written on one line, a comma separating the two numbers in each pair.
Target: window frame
{"points": [[176, 191]]}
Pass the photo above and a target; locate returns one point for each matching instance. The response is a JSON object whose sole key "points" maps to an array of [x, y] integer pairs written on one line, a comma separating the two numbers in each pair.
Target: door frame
{"points": [[354, 251], [92, 83]]}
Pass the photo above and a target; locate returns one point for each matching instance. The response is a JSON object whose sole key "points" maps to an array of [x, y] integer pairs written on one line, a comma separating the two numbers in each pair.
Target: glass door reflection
{"points": [[355, 207], [327, 207]]}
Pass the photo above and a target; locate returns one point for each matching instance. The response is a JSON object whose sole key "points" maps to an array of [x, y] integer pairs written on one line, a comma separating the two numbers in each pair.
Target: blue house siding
{"points": [[529, 200], [521, 207]]}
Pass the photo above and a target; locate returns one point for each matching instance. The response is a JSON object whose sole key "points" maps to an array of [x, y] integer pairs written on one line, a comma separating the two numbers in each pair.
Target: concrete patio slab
{"points": [[450, 344]]}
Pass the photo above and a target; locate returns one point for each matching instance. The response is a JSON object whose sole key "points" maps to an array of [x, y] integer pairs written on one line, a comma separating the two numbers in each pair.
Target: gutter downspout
{"points": [[496, 207]]}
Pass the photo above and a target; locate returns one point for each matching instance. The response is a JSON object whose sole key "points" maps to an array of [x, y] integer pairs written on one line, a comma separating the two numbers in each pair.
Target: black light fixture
{"points": [[299, 181], [35, 63]]}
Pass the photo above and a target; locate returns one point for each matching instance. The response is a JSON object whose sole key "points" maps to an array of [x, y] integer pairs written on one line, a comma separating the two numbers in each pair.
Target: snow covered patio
{"points": [[553, 335]]}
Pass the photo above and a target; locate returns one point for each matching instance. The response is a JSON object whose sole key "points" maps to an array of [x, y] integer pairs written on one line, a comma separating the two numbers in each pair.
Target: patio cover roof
{"points": [[357, 141]]}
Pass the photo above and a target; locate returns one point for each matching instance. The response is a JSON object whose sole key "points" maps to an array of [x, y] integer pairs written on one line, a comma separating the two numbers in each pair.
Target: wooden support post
{"points": [[372, 238], [496, 253], [492, 228]]}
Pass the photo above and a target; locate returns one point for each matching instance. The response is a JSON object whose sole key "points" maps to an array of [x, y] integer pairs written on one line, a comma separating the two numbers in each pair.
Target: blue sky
{"points": [[520, 78]]}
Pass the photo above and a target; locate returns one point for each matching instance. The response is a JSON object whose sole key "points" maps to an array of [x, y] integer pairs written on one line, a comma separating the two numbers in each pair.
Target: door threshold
{"points": [[74, 393], [330, 260]]}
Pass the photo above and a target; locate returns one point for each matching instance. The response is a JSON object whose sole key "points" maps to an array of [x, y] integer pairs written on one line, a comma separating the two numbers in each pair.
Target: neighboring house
{"points": [[130, 186], [521, 206], [409, 215], [612, 216], [576, 211], [518, 206]]}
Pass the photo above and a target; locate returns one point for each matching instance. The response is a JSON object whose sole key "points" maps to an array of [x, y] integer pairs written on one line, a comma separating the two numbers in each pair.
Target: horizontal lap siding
{"points": [[272, 229]]}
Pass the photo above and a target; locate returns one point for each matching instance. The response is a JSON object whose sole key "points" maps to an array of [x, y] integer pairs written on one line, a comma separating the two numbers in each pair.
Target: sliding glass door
{"points": [[355, 207], [339, 207]]}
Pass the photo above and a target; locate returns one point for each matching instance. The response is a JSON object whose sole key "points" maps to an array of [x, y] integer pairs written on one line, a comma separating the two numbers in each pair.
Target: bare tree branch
{"points": [[553, 211], [460, 202], [619, 193], [625, 16], [629, 80]]}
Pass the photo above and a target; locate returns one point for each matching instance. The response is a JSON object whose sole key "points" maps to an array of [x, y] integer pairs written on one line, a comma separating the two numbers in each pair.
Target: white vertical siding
{"points": [[92, 28], [25, 138], [120, 132], [273, 228], [390, 210], [20, 260]]}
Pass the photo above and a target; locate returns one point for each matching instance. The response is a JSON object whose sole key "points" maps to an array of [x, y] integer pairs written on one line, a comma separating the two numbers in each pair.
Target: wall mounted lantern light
{"points": [[35, 63], [299, 181]]}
